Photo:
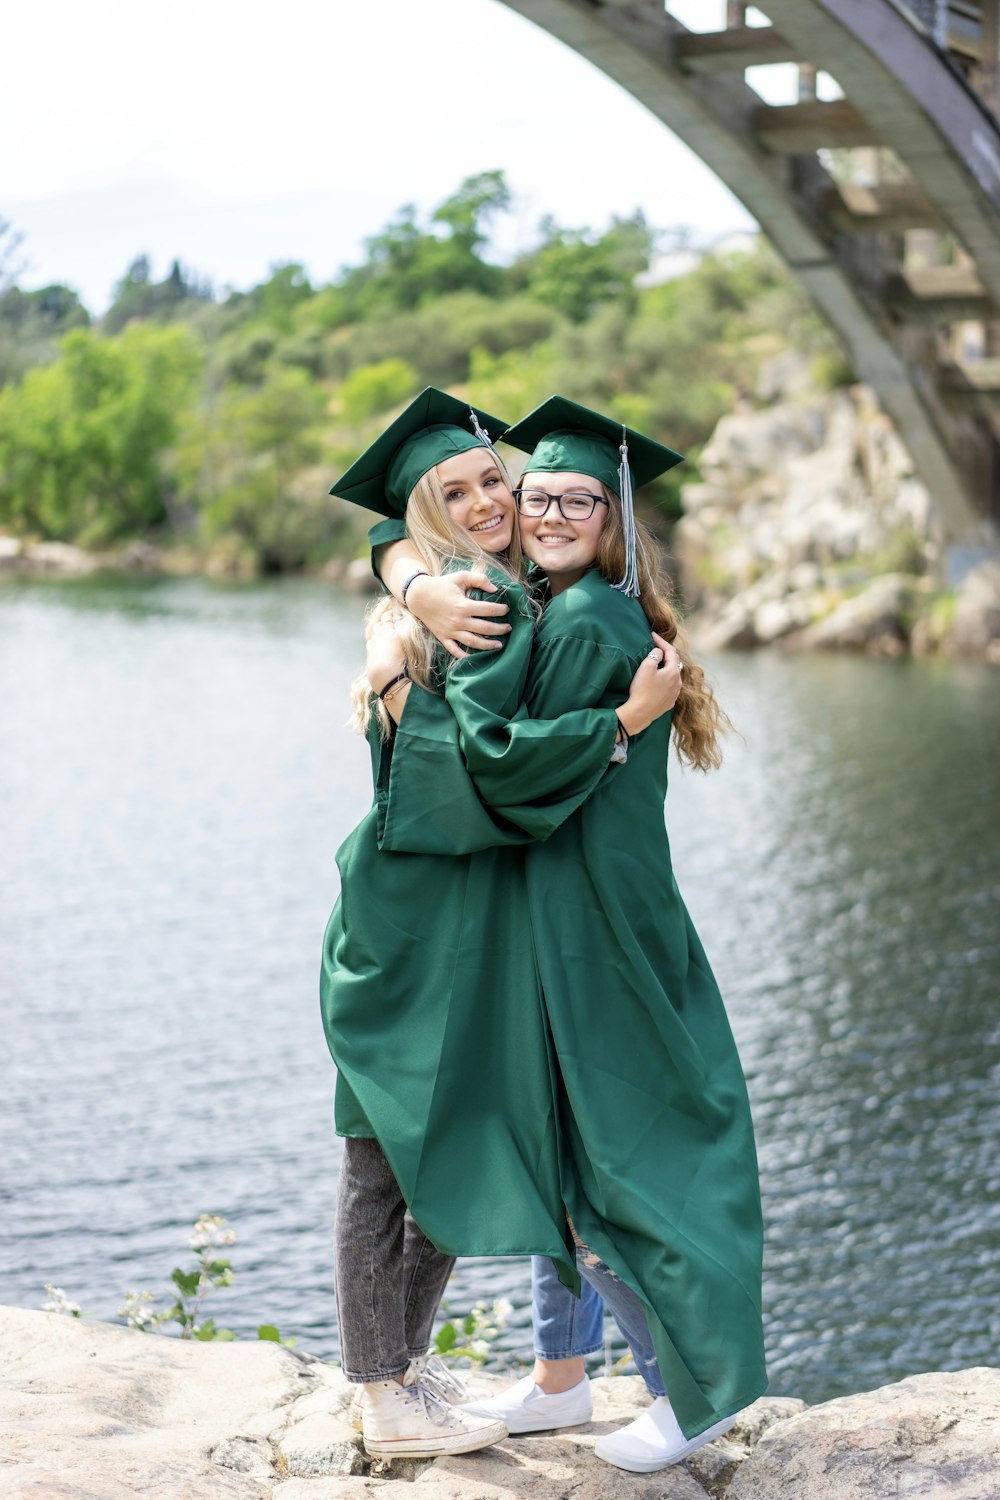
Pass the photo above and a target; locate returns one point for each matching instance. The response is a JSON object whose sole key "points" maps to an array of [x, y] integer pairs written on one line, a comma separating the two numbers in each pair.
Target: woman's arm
{"points": [[533, 773], [441, 603], [429, 790]]}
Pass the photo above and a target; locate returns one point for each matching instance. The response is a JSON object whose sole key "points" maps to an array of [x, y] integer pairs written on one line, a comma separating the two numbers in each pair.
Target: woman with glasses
{"points": [[659, 1168]]}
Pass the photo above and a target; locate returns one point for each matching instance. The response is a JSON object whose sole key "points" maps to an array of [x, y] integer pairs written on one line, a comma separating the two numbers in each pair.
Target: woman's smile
{"points": [[478, 498], [564, 549]]}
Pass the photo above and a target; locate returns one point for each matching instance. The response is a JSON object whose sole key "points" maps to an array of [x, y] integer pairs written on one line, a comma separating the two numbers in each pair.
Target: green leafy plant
{"points": [[211, 1271], [470, 1337]]}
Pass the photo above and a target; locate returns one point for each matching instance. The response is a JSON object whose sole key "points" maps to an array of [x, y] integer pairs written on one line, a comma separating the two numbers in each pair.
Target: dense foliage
{"points": [[220, 420]]}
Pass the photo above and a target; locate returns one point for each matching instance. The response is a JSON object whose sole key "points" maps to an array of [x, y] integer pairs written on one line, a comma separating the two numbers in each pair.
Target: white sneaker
{"points": [[526, 1408], [654, 1440], [409, 1421], [431, 1371]]}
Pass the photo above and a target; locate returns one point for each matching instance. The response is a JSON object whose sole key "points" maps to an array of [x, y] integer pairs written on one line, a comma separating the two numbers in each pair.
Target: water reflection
{"points": [[176, 776]]}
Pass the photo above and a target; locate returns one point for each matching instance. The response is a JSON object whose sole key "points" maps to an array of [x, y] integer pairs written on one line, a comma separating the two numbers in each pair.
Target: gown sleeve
{"points": [[379, 535], [473, 769]]}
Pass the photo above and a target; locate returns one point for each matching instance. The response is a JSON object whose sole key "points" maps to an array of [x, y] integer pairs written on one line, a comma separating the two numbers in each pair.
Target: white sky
{"points": [[234, 136]]}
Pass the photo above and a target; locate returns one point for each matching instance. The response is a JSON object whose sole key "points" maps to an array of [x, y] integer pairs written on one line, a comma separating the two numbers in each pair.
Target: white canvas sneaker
{"points": [[432, 1372], [526, 1408], [654, 1440], [409, 1421]]}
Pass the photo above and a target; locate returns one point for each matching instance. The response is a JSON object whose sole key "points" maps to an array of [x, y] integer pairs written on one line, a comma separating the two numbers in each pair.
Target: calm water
{"points": [[175, 776]]}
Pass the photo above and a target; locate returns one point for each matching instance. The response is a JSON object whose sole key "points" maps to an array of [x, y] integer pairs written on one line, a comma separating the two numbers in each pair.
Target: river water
{"points": [[175, 777]]}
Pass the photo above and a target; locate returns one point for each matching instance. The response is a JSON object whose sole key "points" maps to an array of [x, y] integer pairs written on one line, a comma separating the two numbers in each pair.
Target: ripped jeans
{"points": [[566, 1326]]}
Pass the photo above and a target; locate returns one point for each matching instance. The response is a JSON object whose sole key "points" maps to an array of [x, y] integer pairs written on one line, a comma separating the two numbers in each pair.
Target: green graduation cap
{"points": [[434, 426], [562, 436]]}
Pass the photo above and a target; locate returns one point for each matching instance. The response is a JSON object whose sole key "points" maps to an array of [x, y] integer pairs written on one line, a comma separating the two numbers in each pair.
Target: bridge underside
{"points": [[929, 148]]}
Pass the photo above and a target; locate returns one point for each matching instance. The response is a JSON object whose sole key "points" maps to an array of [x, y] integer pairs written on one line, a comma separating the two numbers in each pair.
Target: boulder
{"points": [[45, 559], [975, 628], [874, 620], [92, 1410], [935, 1436]]}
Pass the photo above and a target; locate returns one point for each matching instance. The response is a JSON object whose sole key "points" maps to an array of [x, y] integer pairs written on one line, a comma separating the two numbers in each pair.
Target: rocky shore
{"points": [[809, 530], [92, 1411]]}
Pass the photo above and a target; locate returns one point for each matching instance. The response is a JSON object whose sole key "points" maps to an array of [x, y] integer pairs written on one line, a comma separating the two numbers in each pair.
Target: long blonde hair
{"points": [[439, 544], [698, 721]]}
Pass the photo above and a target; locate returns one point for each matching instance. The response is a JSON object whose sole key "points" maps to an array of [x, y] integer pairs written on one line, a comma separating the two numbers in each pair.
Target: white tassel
{"points": [[630, 582], [481, 432], [484, 437]]}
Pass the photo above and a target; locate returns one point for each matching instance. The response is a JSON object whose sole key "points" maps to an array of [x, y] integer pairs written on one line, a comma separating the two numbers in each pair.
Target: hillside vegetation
{"points": [[215, 423]]}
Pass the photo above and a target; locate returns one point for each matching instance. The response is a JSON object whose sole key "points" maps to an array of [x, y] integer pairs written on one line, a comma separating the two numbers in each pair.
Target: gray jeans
{"points": [[390, 1278]]}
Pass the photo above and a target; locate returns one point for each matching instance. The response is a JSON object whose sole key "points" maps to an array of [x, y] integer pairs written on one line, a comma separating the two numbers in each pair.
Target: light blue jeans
{"points": [[566, 1326]]}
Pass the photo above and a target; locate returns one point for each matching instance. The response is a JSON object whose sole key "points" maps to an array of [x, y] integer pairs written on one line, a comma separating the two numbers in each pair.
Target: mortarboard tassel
{"points": [[484, 437], [630, 582], [481, 432]]}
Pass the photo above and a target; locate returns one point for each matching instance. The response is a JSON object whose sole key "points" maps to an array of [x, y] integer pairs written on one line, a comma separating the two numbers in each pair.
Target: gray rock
{"points": [[133, 1414], [247, 1455], [751, 1424], [934, 1436], [45, 559], [323, 1444], [809, 497], [975, 630], [872, 621]]}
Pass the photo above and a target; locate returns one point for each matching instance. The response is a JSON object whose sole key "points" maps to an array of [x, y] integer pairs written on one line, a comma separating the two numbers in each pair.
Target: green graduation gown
{"points": [[429, 991], [658, 1159]]}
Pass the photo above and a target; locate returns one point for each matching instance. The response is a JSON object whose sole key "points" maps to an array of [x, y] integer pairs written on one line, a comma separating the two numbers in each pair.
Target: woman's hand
{"points": [[655, 687], [443, 605], [384, 657], [384, 660]]}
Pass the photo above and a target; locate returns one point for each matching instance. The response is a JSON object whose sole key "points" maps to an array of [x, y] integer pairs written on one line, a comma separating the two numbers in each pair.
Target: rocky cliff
{"points": [[89, 1411], [809, 528]]}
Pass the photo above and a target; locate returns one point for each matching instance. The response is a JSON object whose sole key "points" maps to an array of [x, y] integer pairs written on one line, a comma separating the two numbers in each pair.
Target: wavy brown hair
{"points": [[699, 721]]}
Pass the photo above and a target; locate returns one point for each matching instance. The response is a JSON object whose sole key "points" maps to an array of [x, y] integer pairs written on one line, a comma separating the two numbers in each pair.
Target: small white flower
{"points": [[209, 1233], [502, 1309], [59, 1303], [137, 1309], [479, 1347]]}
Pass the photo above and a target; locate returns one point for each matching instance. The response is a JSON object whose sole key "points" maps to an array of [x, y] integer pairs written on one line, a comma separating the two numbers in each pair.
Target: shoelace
{"points": [[433, 1373], [430, 1405]]}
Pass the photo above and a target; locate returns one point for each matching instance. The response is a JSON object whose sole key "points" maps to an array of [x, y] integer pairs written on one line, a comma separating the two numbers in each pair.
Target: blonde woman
{"points": [[429, 988], [659, 1167]]}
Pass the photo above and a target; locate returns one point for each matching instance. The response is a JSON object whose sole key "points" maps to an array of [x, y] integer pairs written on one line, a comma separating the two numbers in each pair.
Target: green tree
{"points": [[409, 265], [575, 272], [31, 325], [137, 296], [279, 296], [238, 463], [81, 439], [377, 388]]}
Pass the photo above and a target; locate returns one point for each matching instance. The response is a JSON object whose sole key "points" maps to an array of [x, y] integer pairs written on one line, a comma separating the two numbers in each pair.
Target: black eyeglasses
{"points": [[575, 505]]}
